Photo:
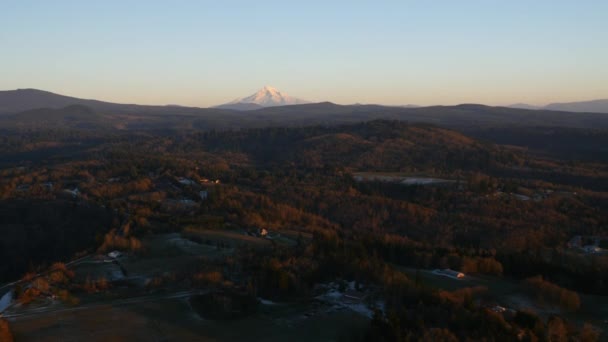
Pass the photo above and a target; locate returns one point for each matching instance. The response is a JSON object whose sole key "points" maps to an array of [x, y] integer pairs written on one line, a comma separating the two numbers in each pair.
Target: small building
{"points": [[186, 181], [592, 249], [262, 232], [353, 296], [498, 309], [74, 192], [203, 194], [115, 254], [451, 273]]}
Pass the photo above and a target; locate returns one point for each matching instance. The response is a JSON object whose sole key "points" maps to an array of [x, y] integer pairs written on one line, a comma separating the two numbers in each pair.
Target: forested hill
{"points": [[36, 232], [380, 145]]}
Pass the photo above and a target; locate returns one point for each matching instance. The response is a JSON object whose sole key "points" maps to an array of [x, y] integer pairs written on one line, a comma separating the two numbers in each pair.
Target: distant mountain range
{"points": [[15, 101], [31, 108], [593, 106], [265, 97], [524, 106]]}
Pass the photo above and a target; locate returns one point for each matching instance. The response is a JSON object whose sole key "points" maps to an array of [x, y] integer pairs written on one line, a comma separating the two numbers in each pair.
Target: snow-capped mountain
{"points": [[265, 97]]}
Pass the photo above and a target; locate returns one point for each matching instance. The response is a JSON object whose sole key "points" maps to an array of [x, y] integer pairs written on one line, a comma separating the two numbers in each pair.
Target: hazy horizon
{"points": [[514, 104], [396, 53]]}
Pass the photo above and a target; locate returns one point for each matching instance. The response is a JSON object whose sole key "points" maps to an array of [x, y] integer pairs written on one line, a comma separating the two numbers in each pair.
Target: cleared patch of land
{"points": [[174, 320], [401, 178], [225, 238]]}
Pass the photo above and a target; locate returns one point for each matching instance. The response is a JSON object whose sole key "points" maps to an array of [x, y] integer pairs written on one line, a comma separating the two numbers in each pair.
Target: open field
{"points": [[227, 238], [401, 178], [175, 244], [293, 234], [174, 320]]}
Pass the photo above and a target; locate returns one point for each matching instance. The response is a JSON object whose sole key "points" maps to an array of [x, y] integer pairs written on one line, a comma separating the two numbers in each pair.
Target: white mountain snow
{"points": [[268, 97]]}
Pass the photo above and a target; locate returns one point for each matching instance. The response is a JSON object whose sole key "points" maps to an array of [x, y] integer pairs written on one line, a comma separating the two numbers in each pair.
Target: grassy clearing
{"points": [[175, 245], [403, 178], [294, 234], [173, 320], [97, 270], [226, 238]]}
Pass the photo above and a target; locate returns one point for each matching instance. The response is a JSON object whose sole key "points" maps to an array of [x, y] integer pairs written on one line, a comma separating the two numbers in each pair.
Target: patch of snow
{"points": [[269, 97]]}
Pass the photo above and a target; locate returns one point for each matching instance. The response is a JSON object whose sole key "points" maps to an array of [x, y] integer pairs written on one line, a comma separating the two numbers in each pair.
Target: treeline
{"points": [[550, 293], [411, 312], [301, 179], [36, 232], [5, 332], [559, 142]]}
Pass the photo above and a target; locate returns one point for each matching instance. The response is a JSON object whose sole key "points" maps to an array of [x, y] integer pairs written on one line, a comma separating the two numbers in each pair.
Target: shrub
{"points": [[548, 292], [5, 331]]}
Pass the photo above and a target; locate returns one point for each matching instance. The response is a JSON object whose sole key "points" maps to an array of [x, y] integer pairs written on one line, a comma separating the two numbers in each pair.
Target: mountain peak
{"points": [[269, 88], [268, 96]]}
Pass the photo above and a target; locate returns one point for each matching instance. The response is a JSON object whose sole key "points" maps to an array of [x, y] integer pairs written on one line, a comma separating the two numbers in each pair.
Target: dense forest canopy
{"points": [[358, 201]]}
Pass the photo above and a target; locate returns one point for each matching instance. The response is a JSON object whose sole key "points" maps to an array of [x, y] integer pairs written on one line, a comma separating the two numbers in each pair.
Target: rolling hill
{"points": [[20, 100], [592, 106]]}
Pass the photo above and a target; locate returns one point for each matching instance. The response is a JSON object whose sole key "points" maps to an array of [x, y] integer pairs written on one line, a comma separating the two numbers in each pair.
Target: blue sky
{"points": [[205, 53]]}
